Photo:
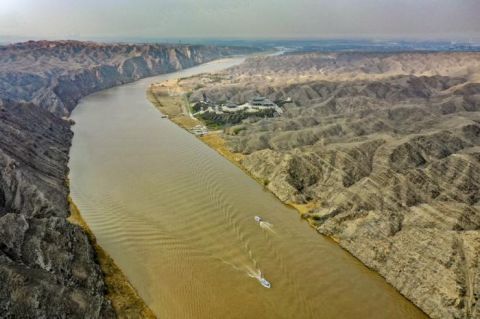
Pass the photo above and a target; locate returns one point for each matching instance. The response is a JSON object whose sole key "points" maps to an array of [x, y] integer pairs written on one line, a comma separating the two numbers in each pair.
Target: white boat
{"points": [[258, 219], [257, 274], [264, 282]]}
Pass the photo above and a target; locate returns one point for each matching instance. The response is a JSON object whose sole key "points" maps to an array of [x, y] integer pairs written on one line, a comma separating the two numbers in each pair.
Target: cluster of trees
{"points": [[214, 120]]}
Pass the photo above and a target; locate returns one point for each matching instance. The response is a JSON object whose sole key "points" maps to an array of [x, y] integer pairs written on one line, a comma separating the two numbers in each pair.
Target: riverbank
{"points": [[169, 97], [124, 298]]}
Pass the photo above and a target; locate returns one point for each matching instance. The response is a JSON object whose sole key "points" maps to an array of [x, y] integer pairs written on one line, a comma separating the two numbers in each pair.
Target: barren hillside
{"points": [[56, 74], [383, 150]]}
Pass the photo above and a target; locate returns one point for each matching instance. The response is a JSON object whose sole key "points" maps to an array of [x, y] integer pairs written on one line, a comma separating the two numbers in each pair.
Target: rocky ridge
{"points": [[48, 267], [56, 74], [382, 153], [43, 258]]}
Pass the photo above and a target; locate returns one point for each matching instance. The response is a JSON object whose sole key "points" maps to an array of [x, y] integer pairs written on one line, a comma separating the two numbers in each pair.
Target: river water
{"points": [[179, 221]]}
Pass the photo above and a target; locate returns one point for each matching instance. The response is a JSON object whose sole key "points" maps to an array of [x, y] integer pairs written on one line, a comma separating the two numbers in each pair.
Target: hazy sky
{"points": [[240, 18]]}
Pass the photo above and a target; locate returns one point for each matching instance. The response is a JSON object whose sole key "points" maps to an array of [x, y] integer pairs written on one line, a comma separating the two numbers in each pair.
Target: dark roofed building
{"points": [[261, 101]]}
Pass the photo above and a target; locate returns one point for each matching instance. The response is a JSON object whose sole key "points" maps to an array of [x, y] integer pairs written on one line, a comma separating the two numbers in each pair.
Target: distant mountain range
{"points": [[335, 45]]}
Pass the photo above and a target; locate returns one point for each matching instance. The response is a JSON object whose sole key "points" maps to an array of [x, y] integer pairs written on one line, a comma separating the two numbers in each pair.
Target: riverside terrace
{"points": [[219, 115], [256, 105]]}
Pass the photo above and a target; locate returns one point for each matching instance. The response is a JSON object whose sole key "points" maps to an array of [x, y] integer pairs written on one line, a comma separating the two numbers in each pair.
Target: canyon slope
{"points": [[56, 74], [379, 151], [48, 266]]}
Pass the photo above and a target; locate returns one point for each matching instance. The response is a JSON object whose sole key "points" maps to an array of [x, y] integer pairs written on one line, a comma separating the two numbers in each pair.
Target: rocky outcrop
{"points": [[48, 267], [388, 164], [56, 74]]}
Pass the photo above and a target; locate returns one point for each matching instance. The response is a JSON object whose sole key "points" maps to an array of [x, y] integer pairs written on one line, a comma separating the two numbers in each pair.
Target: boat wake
{"points": [[254, 273], [267, 226], [251, 272]]}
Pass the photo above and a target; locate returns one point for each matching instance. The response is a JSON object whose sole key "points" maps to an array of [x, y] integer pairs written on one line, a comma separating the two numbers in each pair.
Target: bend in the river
{"points": [[179, 220]]}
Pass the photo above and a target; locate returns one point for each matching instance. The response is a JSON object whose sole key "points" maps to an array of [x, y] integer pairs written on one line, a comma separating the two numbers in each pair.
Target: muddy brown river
{"points": [[179, 221]]}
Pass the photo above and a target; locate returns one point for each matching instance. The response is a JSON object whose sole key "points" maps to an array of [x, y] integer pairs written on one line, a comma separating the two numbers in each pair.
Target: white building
{"points": [[255, 105], [262, 103]]}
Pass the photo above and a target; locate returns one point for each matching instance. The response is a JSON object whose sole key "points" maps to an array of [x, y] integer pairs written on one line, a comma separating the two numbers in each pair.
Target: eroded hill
{"points": [[56, 74], [383, 153], [44, 260]]}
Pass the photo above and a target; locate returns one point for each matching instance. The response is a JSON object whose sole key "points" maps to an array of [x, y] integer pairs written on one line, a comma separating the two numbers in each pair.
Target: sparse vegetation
{"points": [[221, 120]]}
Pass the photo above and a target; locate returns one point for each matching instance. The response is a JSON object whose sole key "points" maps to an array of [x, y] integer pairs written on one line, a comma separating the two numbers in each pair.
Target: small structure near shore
{"points": [[261, 101], [199, 130]]}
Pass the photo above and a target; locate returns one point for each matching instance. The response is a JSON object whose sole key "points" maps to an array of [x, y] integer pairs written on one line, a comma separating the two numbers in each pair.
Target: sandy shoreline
{"points": [[125, 300]]}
